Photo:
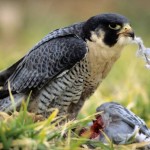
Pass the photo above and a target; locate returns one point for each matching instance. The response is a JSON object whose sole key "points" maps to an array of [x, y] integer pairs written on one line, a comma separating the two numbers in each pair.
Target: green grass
{"points": [[20, 131]]}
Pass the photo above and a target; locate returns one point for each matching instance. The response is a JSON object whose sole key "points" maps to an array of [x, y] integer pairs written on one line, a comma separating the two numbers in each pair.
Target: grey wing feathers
{"points": [[47, 61], [129, 117], [74, 29], [125, 114]]}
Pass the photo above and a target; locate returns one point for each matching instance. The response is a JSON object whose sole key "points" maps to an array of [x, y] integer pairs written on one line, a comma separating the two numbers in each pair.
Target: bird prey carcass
{"points": [[117, 124], [66, 66], [121, 125]]}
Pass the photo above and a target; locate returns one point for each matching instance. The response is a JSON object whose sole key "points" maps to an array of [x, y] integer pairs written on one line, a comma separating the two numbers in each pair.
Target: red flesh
{"points": [[94, 130]]}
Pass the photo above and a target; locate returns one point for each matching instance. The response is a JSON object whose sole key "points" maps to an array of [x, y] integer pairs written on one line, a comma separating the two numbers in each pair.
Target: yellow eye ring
{"points": [[115, 26]]}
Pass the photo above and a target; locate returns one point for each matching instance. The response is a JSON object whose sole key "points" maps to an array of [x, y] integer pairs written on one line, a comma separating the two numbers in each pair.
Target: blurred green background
{"points": [[24, 23]]}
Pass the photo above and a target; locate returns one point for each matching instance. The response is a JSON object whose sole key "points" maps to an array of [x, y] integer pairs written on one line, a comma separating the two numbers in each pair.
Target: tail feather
{"points": [[5, 74], [5, 93], [6, 104]]}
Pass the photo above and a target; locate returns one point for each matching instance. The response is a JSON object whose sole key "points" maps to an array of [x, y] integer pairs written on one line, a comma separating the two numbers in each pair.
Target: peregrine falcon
{"points": [[66, 66]]}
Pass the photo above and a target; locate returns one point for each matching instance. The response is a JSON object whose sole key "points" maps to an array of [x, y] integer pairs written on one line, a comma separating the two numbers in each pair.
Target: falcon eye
{"points": [[115, 26]]}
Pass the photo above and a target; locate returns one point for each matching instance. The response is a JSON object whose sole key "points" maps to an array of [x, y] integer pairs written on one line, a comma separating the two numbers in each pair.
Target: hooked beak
{"points": [[127, 31]]}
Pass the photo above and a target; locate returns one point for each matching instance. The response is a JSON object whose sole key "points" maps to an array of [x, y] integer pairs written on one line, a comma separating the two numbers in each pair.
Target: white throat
{"points": [[103, 51], [101, 57]]}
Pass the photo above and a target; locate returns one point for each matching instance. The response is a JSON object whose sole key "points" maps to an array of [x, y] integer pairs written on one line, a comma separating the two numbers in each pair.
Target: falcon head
{"points": [[108, 30]]}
